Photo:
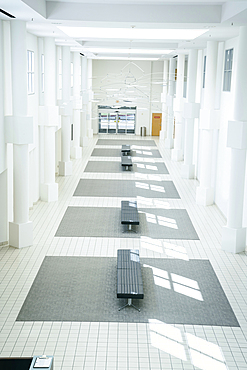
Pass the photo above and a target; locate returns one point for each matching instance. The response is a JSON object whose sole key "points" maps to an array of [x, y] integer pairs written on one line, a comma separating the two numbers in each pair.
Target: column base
{"points": [[65, 168], [233, 240], [20, 235], [90, 133], [84, 141], [177, 155], [188, 171], [76, 152], [162, 135], [169, 143], [49, 192], [204, 196]]}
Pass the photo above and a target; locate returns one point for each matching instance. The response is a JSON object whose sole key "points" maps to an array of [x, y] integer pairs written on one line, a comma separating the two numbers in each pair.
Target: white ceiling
{"points": [[220, 20]]}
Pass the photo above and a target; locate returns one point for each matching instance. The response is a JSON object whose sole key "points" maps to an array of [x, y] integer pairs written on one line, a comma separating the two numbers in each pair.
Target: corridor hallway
{"points": [[153, 344]]}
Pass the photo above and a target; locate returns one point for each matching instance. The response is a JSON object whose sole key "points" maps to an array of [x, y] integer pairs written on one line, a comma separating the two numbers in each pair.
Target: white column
{"points": [[19, 131], [84, 134], [191, 111], [76, 150], [163, 101], [234, 234], [49, 120], [66, 111], [177, 152], [3, 166], [169, 142], [209, 120], [90, 97]]}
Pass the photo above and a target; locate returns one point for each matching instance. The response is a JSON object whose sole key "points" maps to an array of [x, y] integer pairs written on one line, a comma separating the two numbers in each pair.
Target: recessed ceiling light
{"points": [[131, 33]]}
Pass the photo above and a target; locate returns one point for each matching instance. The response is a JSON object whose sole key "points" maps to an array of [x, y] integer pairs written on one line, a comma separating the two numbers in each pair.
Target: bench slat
{"points": [[129, 213], [129, 277]]}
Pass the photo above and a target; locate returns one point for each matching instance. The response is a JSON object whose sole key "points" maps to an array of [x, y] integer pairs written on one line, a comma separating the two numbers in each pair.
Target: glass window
{"points": [[204, 72], [30, 72], [60, 74], [228, 70], [185, 77], [42, 73], [72, 72]]}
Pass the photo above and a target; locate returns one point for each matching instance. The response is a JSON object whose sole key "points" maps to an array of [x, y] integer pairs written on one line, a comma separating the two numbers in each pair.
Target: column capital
{"points": [[18, 129], [237, 135]]}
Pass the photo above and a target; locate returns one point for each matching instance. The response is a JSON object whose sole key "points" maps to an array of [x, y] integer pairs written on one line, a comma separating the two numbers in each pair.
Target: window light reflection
{"points": [[203, 354], [161, 277], [153, 245], [162, 282], [204, 362], [165, 329], [157, 188], [151, 218], [167, 345], [141, 185], [204, 346], [143, 176], [140, 165], [167, 222], [154, 177], [161, 204], [172, 252], [143, 200], [189, 292], [185, 281], [153, 168]]}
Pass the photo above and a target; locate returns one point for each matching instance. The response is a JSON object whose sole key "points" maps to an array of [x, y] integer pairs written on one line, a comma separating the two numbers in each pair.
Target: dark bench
{"points": [[129, 213], [25, 363], [125, 149], [126, 161], [129, 277]]}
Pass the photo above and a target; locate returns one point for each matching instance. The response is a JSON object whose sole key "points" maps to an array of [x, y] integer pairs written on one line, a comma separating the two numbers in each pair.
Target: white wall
{"points": [[108, 74]]}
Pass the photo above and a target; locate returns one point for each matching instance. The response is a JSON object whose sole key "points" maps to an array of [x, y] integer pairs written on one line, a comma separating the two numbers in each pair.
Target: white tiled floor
{"points": [[156, 345]]}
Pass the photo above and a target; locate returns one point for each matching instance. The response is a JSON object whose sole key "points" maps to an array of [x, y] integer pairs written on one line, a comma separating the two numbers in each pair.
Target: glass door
{"points": [[120, 121], [121, 129], [103, 123], [131, 123], [112, 123]]}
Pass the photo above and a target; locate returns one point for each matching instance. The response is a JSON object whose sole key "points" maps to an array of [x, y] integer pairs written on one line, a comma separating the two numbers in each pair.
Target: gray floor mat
{"points": [[126, 188], [84, 289], [106, 222]]}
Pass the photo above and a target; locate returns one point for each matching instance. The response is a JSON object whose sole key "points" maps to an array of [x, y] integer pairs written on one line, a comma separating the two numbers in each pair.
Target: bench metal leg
{"points": [[129, 304], [130, 229]]}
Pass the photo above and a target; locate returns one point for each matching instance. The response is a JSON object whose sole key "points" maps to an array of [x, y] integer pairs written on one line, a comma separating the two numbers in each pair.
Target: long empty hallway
{"points": [[193, 315]]}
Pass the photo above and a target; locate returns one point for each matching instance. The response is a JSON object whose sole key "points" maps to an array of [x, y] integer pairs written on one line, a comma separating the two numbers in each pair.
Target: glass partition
{"points": [[112, 123], [120, 121], [103, 122]]}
